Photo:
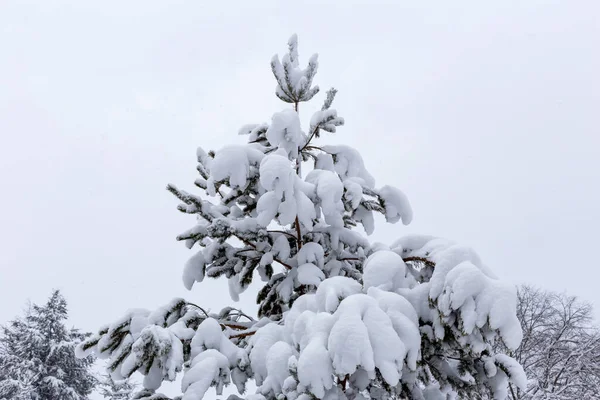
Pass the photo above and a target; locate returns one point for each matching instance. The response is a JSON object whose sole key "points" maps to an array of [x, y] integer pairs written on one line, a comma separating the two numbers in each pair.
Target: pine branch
{"points": [[315, 148], [298, 234], [246, 242], [200, 308], [191, 200], [282, 232], [243, 334], [232, 325], [242, 314], [329, 99], [420, 259], [310, 137]]}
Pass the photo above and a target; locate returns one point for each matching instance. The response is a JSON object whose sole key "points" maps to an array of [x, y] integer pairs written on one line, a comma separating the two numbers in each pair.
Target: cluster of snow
{"points": [[148, 341], [285, 132], [232, 164], [465, 294], [311, 262], [254, 131], [328, 190], [214, 358], [502, 370], [286, 194], [193, 270], [326, 119], [396, 205], [168, 356], [385, 270], [342, 329], [349, 164]]}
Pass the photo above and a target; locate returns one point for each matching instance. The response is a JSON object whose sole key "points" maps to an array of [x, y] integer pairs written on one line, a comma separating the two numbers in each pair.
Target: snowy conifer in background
{"points": [[16, 380], [37, 356], [339, 317], [116, 390]]}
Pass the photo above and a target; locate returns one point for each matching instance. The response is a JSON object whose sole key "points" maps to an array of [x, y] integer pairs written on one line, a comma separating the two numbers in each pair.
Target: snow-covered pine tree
{"points": [[37, 356], [116, 390], [16, 382], [339, 318]]}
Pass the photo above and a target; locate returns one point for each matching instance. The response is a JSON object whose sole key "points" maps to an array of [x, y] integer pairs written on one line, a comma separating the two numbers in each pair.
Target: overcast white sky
{"points": [[486, 114]]}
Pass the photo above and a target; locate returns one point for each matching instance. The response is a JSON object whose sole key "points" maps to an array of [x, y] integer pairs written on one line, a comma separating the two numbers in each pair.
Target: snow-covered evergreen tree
{"points": [[37, 356], [116, 390], [16, 380], [339, 317]]}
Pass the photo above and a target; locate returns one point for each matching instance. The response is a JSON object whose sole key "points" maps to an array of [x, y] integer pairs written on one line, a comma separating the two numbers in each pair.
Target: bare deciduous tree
{"points": [[560, 351]]}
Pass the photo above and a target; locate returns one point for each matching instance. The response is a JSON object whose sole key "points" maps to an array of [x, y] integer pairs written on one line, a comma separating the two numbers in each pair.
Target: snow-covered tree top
{"points": [[37, 358], [338, 317]]}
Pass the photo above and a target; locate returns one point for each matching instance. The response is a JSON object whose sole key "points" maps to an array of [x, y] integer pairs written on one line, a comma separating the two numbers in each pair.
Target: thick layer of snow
{"points": [[260, 344], [336, 332], [285, 132], [165, 346], [349, 164], [396, 205], [386, 270], [311, 253], [310, 274], [285, 198], [207, 368], [277, 367], [329, 190], [193, 271], [233, 163], [462, 291]]}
